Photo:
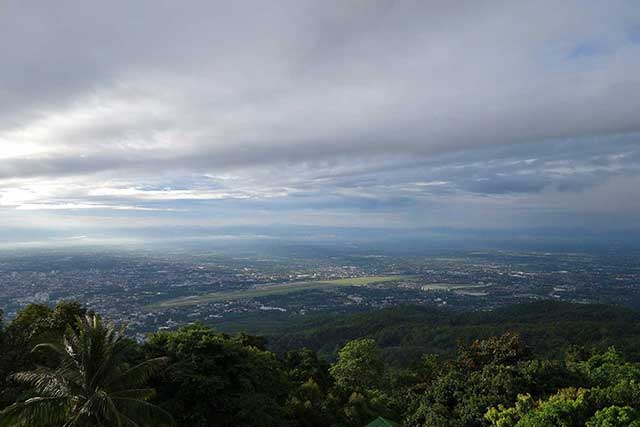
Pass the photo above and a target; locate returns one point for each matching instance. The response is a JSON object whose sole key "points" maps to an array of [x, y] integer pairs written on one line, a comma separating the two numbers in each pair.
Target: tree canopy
{"points": [[203, 377]]}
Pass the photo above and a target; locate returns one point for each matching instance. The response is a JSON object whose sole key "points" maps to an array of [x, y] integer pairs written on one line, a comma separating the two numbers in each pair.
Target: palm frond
{"points": [[56, 347], [44, 381], [138, 374], [37, 411], [136, 393], [140, 410], [90, 386]]}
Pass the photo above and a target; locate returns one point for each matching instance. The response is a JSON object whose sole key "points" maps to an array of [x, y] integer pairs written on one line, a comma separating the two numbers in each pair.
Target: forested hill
{"points": [[67, 366], [405, 333]]}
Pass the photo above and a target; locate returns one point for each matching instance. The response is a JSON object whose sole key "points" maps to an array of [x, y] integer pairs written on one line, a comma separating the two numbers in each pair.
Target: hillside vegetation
{"points": [[405, 333], [535, 365]]}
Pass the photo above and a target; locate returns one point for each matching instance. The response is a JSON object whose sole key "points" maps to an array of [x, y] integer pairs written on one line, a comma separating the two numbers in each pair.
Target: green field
{"points": [[275, 289]]}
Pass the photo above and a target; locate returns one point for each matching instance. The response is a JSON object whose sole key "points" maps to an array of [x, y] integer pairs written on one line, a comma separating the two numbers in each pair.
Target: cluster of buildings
{"points": [[129, 288]]}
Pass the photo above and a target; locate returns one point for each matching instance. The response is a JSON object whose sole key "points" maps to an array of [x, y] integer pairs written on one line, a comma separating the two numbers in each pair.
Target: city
{"points": [[159, 290]]}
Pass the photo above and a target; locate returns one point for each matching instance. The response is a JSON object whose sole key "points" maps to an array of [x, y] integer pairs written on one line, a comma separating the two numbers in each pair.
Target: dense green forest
{"points": [[543, 365], [404, 334]]}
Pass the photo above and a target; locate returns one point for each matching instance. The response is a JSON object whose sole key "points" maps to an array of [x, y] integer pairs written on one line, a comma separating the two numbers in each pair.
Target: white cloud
{"points": [[168, 194], [373, 112], [81, 206]]}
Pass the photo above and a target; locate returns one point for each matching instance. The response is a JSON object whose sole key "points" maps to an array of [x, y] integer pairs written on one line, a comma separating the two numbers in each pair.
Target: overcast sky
{"points": [[350, 113]]}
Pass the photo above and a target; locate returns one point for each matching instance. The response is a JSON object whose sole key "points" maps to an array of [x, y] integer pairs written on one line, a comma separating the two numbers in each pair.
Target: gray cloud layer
{"points": [[378, 105]]}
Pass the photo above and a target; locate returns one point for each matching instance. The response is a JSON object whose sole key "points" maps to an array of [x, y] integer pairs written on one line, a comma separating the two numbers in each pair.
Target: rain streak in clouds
{"points": [[348, 113]]}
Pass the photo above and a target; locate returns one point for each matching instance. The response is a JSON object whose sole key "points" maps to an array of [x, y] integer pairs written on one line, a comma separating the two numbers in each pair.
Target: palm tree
{"points": [[92, 386]]}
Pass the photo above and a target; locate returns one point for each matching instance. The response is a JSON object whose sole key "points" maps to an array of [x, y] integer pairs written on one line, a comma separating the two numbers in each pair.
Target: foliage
{"points": [[615, 416], [217, 379], [303, 365], [503, 350], [512, 368], [358, 367], [90, 386], [608, 368], [404, 334], [35, 324], [608, 402]]}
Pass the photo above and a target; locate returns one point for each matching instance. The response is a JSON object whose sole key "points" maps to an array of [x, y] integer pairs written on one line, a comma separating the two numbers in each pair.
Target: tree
{"points": [[92, 386], [217, 379], [29, 323], [567, 408], [302, 365], [507, 349], [615, 416], [309, 406], [487, 374], [34, 324], [359, 366], [608, 368], [502, 416], [310, 402]]}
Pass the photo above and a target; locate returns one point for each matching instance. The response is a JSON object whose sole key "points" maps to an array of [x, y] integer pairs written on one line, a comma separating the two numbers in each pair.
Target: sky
{"points": [[129, 119]]}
